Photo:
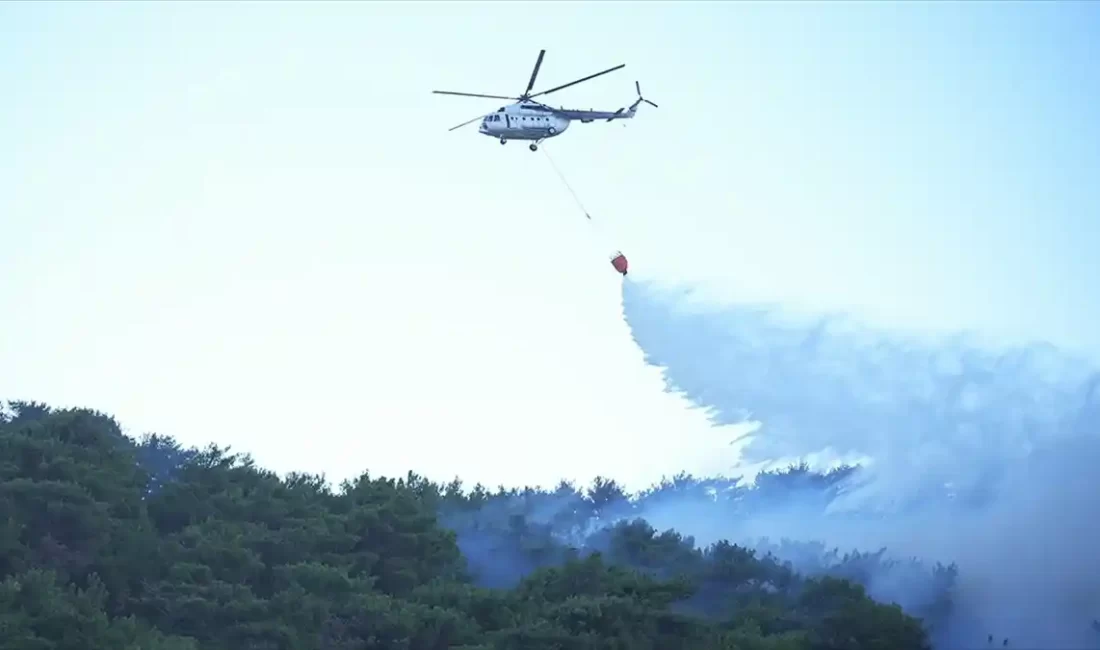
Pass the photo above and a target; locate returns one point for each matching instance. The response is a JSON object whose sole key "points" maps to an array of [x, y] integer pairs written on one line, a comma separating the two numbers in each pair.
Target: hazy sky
{"points": [[247, 223]]}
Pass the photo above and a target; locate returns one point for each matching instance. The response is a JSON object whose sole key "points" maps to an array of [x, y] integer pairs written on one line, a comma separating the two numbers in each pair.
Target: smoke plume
{"points": [[966, 454]]}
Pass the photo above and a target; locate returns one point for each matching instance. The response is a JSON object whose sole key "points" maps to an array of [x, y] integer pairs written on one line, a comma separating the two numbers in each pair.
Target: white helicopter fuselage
{"points": [[523, 122]]}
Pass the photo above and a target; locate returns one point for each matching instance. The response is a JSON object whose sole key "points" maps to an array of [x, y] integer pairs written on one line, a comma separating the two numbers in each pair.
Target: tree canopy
{"points": [[112, 543]]}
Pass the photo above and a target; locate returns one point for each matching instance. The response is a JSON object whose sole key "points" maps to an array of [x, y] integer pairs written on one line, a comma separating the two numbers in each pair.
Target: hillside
{"points": [[113, 543]]}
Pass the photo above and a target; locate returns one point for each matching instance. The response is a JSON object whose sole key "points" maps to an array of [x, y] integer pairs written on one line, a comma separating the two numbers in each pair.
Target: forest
{"points": [[114, 543]]}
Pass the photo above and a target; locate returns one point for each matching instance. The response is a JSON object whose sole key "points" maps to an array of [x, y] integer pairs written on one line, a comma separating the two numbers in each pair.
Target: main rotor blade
{"points": [[535, 72], [448, 92], [574, 83], [465, 123]]}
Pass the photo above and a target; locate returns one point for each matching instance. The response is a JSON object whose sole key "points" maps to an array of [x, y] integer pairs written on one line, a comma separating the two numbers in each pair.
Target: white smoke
{"points": [[979, 456]]}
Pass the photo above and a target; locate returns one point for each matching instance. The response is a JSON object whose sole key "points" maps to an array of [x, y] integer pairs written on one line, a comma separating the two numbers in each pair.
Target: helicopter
{"points": [[528, 119]]}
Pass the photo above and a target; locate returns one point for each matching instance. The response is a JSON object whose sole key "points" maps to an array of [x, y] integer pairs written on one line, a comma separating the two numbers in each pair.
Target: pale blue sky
{"points": [[246, 222]]}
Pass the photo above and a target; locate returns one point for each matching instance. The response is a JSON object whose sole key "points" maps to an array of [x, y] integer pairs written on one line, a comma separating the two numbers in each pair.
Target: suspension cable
{"points": [[566, 183]]}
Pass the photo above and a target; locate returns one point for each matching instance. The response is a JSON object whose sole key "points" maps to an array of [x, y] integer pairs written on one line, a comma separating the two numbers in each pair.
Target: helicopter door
{"points": [[507, 121]]}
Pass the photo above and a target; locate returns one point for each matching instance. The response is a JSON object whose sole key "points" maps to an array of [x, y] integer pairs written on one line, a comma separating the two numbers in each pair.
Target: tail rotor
{"points": [[633, 108]]}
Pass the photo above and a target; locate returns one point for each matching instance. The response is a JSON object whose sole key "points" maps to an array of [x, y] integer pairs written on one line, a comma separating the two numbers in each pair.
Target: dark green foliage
{"points": [[107, 543]]}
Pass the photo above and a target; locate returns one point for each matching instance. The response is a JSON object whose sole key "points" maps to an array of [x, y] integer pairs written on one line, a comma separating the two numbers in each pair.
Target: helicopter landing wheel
{"points": [[503, 141], [533, 147]]}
